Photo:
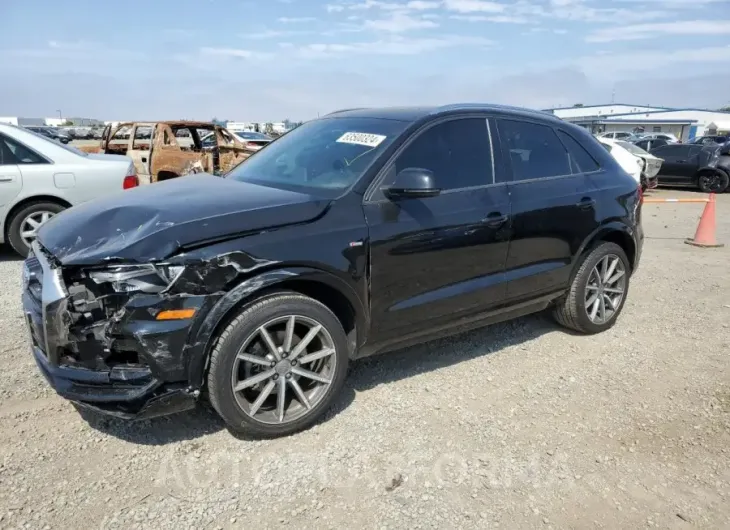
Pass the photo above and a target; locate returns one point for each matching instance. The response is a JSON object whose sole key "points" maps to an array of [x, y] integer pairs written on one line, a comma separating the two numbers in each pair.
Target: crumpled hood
{"points": [[152, 222]]}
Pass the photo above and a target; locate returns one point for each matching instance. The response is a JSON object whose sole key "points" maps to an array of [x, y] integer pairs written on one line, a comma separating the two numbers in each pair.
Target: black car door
{"points": [[681, 163], [553, 206], [434, 260]]}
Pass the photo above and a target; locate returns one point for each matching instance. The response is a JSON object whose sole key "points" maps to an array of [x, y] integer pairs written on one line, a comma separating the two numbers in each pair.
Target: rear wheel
{"points": [[24, 225], [598, 292], [713, 181], [278, 366]]}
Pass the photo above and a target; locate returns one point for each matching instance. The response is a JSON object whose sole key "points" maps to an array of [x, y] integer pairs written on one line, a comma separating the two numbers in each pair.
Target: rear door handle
{"points": [[495, 219], [586, 202], [6, 178]]}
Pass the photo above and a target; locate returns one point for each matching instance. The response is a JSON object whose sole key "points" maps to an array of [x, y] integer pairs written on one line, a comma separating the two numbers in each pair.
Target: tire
{"points": [[706, 186], [15, 224], [242, 331], [571, 312]]}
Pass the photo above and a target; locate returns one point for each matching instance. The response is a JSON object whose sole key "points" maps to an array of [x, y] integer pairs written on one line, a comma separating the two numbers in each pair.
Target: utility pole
{"points": [[59, 115]]}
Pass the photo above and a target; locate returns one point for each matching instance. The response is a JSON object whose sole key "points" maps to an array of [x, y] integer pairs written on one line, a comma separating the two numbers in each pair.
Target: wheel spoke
{"points": [[281, 399], [266, 392], [255, 359], [45, 216], [610, 270], [263, 376], [289, 333], [594, 309], [604, 268], [603, 308], [316, 355], [591, 300], [613, 290], [269, 343], [32, 222], [592, 287], [310, 375], [309, 337], [611, 304], [300, 394], [613, 279], [28, 233]]}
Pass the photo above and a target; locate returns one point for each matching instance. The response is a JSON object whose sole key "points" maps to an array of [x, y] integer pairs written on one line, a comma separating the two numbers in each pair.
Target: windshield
{"points": [[633, 149], [326, 155]]}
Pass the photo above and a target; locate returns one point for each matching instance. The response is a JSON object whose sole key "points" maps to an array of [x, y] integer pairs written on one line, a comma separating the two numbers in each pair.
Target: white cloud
{"points": [[228, 52], [334, 8], [272, 34], [296, 20], [647, 31], [473, 6], [421, 5], [391, 46], [399, 22], [499, 19]]}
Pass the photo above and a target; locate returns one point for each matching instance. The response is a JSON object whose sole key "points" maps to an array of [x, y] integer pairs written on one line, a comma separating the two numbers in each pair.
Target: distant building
{"points": [[684, 123]]}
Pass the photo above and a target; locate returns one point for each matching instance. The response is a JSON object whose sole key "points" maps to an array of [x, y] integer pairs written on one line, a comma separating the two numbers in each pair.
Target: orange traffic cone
{"points": [[705, 235]]}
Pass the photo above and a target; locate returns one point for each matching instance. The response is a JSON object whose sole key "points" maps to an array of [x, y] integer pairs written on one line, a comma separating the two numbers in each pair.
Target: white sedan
{"points": [[630, 163], [40, 178]]}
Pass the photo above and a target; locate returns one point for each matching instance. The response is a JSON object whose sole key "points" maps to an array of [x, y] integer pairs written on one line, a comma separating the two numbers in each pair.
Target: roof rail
{"points": [[344, 110], [467, 106]]}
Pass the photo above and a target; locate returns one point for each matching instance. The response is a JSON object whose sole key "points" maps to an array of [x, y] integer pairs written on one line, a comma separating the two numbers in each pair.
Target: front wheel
{"points": [[278, 366], [598, 291]]}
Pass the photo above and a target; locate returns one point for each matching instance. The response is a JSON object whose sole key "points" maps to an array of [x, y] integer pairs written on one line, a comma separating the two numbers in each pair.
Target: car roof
{"points": [[416, 113]]}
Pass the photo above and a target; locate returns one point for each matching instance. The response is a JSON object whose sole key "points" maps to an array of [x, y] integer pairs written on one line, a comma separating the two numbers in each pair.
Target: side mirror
{"points": [[413, 183]]}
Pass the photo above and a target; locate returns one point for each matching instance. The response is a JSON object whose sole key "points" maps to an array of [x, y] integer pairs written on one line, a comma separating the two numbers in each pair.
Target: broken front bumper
{"points": [[153, 386]]}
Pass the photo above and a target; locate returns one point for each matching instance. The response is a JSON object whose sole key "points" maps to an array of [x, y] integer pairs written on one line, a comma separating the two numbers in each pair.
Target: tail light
{"points": [[130, 179]]}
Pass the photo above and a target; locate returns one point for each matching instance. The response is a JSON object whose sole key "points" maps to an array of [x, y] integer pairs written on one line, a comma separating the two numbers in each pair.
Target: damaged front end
{"points": [[111, 338]]}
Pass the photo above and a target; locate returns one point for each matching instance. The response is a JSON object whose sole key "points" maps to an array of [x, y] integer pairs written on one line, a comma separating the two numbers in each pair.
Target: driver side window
{"points": [[13, 152], [457, 152]]}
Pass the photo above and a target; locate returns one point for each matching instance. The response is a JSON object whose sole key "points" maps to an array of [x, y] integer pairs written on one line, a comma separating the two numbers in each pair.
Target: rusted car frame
{"points": [[160, 153]]}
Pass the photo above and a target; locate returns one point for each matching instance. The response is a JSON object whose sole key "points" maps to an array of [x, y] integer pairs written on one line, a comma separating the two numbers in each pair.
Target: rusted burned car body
{"points": [[170, 149]]}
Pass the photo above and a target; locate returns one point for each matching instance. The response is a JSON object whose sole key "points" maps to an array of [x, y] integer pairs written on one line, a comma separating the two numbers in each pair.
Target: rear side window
{"points": [[580, 160], [534, 150], [458, 153], [16, 153]]}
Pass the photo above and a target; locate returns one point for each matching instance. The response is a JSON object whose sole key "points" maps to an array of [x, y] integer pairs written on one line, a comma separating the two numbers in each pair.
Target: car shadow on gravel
{"points": [[415, 360], [364, 375], [8, 254]]}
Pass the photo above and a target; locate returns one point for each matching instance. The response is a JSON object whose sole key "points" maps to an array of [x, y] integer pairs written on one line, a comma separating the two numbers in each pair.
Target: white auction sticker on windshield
{"points": [[367, 139]]}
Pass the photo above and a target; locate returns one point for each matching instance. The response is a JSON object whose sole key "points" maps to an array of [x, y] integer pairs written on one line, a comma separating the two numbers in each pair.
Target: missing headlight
{"points": [[142, 278]]}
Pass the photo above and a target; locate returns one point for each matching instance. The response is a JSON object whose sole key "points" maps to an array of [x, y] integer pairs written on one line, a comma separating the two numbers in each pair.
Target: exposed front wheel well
{"points": [[323, 293]]}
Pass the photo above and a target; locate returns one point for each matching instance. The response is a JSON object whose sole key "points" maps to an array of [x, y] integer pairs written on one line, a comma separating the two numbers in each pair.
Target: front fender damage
{"points": [[99, 328]]}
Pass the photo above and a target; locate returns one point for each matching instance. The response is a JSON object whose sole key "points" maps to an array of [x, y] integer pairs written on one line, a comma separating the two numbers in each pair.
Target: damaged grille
{"points": [[34, 276]]}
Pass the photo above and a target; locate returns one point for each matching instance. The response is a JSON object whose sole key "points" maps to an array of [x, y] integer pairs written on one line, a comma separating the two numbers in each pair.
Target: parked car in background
{"points": [[647, 144], [40, 178], [161, 152], [51, 132], [356, 233], [668, 137], [617, 135], [692, 165], [254, 140], [631, 164], [650, 164], [711, 140]]}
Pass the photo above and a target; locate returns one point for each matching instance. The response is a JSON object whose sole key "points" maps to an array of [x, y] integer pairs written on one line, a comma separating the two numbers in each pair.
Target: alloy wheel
{"points": [[30, 225], [605, 289], [284, 369]]}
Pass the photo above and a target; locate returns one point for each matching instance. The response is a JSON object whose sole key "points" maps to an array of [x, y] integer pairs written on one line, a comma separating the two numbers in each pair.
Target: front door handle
{"points": [[586, 202], [6, 178], [495, 219]]}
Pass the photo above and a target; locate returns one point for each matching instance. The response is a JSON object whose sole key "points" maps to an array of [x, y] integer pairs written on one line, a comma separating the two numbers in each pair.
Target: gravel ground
{"points": [[520, 425]]}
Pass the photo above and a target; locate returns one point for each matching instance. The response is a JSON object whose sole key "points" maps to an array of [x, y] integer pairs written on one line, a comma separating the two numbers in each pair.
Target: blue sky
{"points": [[267, 60]]}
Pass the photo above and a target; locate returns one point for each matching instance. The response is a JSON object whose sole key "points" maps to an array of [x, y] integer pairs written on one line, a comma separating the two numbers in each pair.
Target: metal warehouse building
{"points": [[683, 123]]}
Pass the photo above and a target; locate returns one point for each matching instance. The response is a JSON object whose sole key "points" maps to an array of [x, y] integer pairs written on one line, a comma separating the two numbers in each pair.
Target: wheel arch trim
{"points": [[600, 233], [200, 341]]}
